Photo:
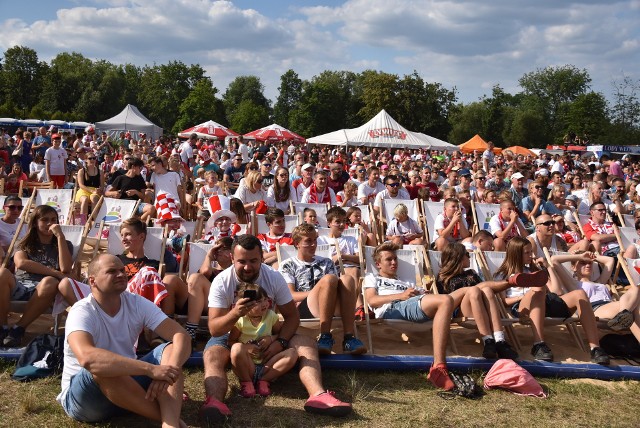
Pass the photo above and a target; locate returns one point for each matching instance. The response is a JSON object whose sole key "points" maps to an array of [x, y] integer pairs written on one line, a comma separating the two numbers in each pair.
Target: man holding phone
{"points": [[248, 267]]}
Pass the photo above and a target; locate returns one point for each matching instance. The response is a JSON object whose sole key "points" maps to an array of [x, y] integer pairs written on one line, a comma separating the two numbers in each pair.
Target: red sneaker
{"points": [[534, 279], [327, 404], [439, 376], [262, 388], [214, 412], [247, 390]]}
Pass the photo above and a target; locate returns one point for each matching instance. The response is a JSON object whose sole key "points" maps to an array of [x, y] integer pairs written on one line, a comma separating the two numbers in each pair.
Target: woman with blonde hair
{"points": [[252, 193]]}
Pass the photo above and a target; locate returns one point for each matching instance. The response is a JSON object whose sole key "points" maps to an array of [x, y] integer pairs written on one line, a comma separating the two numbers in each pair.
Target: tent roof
{"points": [[130, 119], [475, 143], [381, 131]]}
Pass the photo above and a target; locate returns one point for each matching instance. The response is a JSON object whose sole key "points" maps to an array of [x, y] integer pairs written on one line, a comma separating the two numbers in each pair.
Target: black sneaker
{"points": [[542, 352], [598, 356], [489, 351], [621, 321], [506, 351], [14, 336]]}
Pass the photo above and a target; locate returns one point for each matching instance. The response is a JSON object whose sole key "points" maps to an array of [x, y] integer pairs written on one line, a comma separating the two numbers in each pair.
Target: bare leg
{"points": [[7, 284], [243, 365], [84, 205], [310, 372], [473, 305], [198, 289], [499, 244], [280, 364], [532, 305], [578, 300], [178, 290], [438, 308], [216, 359], [322, 301]]}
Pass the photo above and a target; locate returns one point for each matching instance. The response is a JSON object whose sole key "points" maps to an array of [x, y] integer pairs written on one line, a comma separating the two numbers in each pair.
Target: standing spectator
{"points": [[186, 150], [41, 143], [233, 174], [55, 161]]}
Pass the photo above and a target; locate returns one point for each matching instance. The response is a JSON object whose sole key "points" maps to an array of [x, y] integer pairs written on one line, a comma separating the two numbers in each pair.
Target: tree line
{"points": [[554, 102]]}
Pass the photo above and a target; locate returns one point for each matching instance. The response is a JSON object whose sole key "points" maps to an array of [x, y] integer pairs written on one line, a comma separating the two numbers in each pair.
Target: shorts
{"points": [[23, 290], [141, 207], [554, 307], [83, 193], [303, 310], [408, 310], [218, 341], [58, 180], [85, 401], [595, 305]]}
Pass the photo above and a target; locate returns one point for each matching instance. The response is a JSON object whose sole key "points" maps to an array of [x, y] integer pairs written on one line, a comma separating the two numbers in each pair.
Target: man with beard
{"points": [[223, 314], [393, 190]]}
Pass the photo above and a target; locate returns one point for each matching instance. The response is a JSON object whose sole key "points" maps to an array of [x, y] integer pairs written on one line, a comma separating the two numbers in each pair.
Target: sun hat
{"points": [[219, 207]]}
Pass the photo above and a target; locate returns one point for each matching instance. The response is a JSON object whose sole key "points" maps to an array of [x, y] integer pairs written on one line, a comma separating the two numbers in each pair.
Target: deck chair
{"points": [[627, 220], [321, 210], [259, 223], [60, 199], [30, 186], [631, 268], [113, 211], [408, 272], [24, 214], [430, 211], [481, 214], [626, 237], [348, 231], [154, 245], [490, 262], [386, 214]]}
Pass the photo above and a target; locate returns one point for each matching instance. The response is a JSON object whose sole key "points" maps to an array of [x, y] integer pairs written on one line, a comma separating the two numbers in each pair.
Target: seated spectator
{"points": [[9, 223], [281, 193], [91, 182], [534, 204], [37, 171], [276, 235], [320, 291], [600, 231], [310, 216], [354, 219], [131, 186], [450, 226], [393, 190], [347, 198], [208, 189], [251, 193], [318, 192], [402, 229], [223, 221], [12, 184], [506, 225]]}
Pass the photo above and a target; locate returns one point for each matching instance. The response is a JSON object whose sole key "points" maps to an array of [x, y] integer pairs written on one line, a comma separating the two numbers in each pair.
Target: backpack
{"points": [[622, 346], [42, 357]]}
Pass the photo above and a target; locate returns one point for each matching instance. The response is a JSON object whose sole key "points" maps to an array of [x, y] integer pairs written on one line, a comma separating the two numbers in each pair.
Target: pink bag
{"points": [[507, 374]]}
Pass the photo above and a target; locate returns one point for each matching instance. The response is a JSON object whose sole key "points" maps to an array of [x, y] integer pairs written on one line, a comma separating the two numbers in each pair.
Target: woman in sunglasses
{"points": [[251, 193], [90, 181], [281, 192]]}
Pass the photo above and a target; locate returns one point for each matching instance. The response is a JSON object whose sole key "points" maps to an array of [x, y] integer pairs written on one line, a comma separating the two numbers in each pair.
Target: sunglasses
{"points": [[127, 159], [362, 170], [547, 223], [537, 187], [481, 178], [13, 207], [393, 184], [91, 158], [266, 164], [599, 209]]}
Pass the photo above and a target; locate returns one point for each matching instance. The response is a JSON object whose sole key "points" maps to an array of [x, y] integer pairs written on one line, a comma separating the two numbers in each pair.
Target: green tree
{"points": [[22, 77], [200, 105], [289, 95], [244, 88], [626, 104], [68, 78], [524, 127], [587, 115], [468, 120], [249, 116], [379, 91]]}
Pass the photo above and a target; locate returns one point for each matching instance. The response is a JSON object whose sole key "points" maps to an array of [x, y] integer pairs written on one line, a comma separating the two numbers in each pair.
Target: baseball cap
{"points": [[543, 172], [516, 176], [54, 136], [464, 171], [307, 166]]}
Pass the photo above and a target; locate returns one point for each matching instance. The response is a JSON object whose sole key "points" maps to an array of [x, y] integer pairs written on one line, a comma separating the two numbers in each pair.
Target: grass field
{"points": [[380, 399]]}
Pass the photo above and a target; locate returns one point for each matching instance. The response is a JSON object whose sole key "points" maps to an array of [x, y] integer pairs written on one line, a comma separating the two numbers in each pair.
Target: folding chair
{"points": [[627, 220], [321, 211], [626, 237], [430, 211], [60, 199], [631, 268], [407, 272], [259, 223], [481, 214], [33, 185], [388, 205], [76, 235], [490, 262], [24, 214], [154, 244]]}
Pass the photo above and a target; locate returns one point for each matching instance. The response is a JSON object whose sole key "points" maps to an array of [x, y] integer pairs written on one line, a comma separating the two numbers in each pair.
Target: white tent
{"points": [[129, 120], [381, 131]]}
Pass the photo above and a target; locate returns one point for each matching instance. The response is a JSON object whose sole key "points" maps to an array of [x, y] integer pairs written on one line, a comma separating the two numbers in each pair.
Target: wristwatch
{"points": [[283, 342]]}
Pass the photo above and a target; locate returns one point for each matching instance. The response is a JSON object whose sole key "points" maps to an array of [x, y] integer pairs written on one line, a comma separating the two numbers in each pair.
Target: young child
{"points": [[354, 219], [310, 216], [208, 190], [450, 226], [222, 221], [402, 229], [506, 225], [276, 235], [489, 197], [251, 335]]}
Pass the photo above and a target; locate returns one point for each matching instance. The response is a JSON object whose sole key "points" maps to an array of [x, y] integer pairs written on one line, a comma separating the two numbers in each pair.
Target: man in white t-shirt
{"points": [[166, 182], [55, 162], [391, 298], [186, 150], [9, 222], [243, 150], [225, 311], [368, 190], [102, 376], [393, 190]]}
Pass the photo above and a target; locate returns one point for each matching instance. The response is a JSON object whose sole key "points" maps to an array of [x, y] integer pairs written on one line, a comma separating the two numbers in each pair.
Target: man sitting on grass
{"points": [[102, 377]]}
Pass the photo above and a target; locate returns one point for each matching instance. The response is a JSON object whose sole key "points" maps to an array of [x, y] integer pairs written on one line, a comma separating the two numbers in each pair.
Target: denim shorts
{"points": [[218, 341], [140, 209], [408, 310], [85, 401], [23, 290]]}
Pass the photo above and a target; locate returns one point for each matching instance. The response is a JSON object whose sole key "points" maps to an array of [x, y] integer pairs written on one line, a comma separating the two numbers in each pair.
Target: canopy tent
{"points": [[476, 143], [519, 150], [437, 144], [274, 132], [210, 130], [381, 131], [129, 120]]}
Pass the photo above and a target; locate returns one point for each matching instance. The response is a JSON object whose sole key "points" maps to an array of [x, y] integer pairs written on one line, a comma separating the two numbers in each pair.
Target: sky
{"points": [[469, 45]]}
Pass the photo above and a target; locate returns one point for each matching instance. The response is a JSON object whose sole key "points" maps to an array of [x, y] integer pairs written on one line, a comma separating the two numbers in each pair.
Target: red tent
{"points": [[209, 130], [274, 133]]}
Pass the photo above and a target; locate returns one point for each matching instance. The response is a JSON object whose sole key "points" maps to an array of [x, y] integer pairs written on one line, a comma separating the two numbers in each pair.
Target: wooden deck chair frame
{"points": [[405, 256], [259, 223], [298, 207], [627, 220], [114, 246], [23, 220], [481, 214], [569, 323], [33, 185], [580, 222]]}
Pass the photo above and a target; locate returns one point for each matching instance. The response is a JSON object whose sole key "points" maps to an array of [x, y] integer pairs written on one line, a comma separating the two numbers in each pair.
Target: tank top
{"points": [[91, 180]]}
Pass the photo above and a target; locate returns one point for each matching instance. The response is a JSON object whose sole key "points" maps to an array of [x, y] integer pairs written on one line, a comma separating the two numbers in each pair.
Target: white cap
{"points": [[516, 176]]}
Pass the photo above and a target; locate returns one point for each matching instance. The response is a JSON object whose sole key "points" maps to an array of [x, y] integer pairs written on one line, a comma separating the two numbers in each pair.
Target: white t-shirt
{"points": [[438, 224], [117, 334], [223, 288], [385, 287], [7, 231], [166, 183], [402, 194], [243, 149], [57, 159], [186, 152], [284, 205], [347, 244], [366, 191], [246, 196]]}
